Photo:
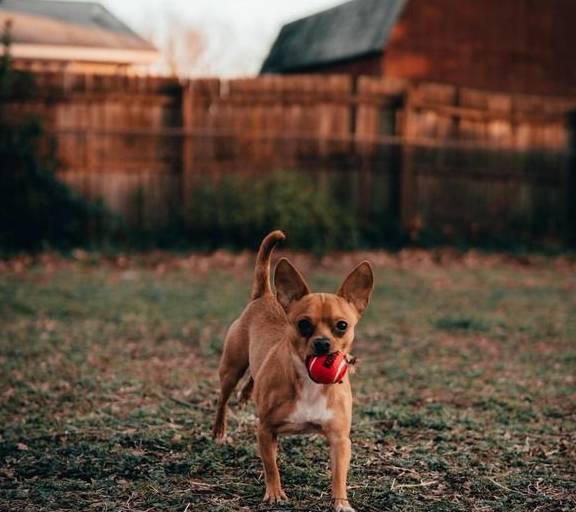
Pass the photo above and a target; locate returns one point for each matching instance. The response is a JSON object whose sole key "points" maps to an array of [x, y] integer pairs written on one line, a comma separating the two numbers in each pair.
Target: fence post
{"points": [[570, 194], [406, 182], [187, 143], [353, 121], [187, 108]]}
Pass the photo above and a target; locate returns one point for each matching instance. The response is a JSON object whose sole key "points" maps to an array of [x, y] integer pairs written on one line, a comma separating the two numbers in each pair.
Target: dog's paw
{"points": [[275, 496], [219, 434], [343, 506]]}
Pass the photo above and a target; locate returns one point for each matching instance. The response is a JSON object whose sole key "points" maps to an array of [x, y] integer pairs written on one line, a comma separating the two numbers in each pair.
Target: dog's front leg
{"points": [[340, 454], [268, 448]]}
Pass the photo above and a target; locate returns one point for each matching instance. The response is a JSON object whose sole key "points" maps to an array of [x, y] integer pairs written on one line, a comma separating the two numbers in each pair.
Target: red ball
{"points": [[327, 369]]}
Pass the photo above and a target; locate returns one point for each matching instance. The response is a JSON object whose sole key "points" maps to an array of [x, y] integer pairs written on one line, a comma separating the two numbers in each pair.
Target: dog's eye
{"points": [[341, 326], [305, 327]]}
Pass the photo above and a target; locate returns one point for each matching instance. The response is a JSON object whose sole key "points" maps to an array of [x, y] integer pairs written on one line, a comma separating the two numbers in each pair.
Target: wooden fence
{"points": [[425, 155]]}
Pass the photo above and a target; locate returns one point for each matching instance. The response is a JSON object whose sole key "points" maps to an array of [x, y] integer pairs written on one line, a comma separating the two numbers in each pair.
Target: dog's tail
{"points": [[262, 284]]}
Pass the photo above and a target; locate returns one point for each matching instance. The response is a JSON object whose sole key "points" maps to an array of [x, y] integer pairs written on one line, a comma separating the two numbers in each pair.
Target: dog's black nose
{"points": [[321, 346]]}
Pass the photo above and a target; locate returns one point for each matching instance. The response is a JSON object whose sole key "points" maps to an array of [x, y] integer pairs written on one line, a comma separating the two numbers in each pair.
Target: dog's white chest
{"points": [[312, 405]]}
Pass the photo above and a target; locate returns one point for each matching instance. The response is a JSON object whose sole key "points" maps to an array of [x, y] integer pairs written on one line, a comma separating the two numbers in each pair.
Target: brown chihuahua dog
{"points": [[272, 338]]}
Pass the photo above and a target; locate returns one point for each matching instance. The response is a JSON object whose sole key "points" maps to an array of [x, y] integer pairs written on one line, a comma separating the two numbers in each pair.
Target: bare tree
{"points": [[184, 48]]}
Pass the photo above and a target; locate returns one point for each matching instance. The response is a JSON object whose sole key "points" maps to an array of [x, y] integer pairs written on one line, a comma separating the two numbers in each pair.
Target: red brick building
{"points": [[523, 46]]}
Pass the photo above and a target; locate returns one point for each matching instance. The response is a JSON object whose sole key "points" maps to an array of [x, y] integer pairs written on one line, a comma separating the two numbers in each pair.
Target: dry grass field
{"points": [[465, 391]]}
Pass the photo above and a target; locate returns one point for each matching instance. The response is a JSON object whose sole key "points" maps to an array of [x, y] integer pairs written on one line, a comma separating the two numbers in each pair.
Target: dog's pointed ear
{"points": [[289, 283], [357, 287]]}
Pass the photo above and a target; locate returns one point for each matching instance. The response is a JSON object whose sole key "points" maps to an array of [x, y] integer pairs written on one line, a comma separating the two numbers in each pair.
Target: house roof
{"points": [[84, 24], [354, 29]]}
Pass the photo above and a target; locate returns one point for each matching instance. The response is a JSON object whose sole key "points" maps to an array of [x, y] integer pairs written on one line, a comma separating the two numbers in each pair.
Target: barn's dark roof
{"points": [[91, 16], [353, 29]]}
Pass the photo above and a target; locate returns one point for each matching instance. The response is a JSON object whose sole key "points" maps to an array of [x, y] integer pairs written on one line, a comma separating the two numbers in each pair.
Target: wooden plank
{"points": [[407, 192], [570, 188]]}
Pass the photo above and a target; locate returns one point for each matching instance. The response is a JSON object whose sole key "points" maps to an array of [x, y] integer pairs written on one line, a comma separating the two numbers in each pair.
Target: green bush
{"points": [[37, 210], [234, 211]]}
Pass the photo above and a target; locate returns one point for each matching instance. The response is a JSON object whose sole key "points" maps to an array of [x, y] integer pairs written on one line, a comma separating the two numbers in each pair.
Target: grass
{"points": [[465, 393]]}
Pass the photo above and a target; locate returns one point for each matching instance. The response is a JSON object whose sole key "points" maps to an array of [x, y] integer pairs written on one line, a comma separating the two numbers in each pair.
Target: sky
{"points": [[212, 37]]}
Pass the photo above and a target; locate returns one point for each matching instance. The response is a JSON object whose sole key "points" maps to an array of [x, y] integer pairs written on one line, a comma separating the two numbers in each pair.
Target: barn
{"points": [[521, 46]]}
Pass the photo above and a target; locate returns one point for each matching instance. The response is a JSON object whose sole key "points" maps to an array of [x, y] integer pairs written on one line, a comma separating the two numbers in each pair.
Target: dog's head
{"points": [[323, 322]]}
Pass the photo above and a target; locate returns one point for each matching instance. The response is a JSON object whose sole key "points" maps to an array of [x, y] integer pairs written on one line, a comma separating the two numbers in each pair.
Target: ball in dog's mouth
{"points": [[328, 368]]}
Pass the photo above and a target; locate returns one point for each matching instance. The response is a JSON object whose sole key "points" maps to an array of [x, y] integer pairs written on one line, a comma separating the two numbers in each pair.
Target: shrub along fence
{"points": [[36, 207], [362, 162]]}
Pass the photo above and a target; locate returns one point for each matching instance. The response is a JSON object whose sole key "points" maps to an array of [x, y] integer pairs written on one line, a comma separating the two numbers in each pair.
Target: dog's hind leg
{"points": [[246, 392], [233, 365]]}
